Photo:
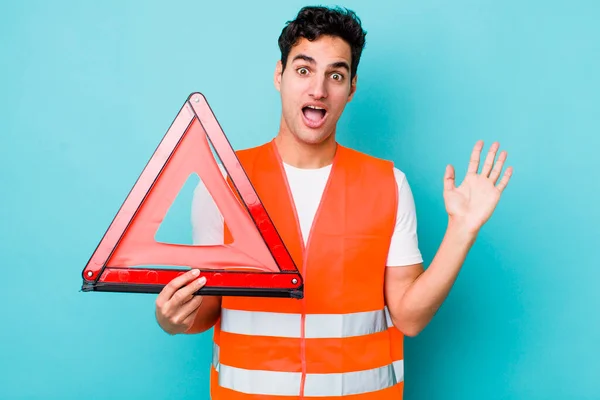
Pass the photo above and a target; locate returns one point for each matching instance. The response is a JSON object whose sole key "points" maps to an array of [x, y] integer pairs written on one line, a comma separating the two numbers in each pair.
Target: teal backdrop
{"points": [[89, 88]]}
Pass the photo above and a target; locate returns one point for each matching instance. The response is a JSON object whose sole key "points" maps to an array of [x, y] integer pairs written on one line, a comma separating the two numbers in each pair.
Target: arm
{"points": [[413, 295]]}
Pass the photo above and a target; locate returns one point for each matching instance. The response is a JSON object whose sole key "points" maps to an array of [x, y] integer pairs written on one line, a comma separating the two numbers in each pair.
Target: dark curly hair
{"points": [[313, 22]]}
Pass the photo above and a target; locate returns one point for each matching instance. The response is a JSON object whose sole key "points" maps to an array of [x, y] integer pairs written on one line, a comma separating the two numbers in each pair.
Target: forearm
{"points": [[426, 294], [208, 314]]}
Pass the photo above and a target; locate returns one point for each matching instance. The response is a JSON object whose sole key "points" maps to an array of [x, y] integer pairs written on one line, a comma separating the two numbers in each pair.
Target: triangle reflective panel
{"points": [[130, 259]]}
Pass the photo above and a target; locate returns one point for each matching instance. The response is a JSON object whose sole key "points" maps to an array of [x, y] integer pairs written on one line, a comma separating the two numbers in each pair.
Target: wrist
{"points": [[461, 231]]}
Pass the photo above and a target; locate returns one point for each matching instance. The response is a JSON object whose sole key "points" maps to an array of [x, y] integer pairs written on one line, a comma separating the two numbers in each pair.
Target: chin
{"points": [[313, 139]]}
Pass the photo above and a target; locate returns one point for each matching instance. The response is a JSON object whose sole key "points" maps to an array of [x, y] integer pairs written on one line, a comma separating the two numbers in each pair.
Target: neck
{"points": [[305, 155]]}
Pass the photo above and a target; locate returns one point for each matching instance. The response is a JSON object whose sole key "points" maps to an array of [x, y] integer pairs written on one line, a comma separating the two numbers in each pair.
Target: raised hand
{"points": [[472, 203]]}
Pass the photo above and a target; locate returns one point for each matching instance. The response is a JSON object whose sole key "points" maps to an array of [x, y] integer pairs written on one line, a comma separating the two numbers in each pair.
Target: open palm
{"points": [[473, 202]]}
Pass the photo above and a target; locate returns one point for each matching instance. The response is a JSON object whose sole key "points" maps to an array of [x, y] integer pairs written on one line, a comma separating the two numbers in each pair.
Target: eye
{"points": [[337, 77], [302, 71]]}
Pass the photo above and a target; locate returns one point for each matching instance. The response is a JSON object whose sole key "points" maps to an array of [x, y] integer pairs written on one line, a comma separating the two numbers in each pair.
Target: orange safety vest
{"points": [[338, 340]]}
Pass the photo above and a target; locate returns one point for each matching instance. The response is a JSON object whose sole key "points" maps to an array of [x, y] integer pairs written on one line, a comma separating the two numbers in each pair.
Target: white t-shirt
{"points": [[307, 186]]}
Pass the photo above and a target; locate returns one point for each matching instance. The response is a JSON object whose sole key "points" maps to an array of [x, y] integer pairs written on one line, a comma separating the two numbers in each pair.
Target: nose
{"points": [[318, 89]]}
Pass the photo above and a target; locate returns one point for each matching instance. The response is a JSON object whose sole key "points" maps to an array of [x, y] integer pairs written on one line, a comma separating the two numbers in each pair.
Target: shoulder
{"points": [[400, 176], [248, 157], [251, 153], [382, 166], [364, 160]]}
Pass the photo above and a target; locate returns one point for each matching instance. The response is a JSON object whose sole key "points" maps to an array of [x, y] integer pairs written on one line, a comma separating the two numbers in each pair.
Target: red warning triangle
{"points": [[256, 263]]}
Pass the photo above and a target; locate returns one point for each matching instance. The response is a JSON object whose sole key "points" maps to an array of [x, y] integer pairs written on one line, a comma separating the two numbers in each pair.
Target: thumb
{"points": [[449, 178]]}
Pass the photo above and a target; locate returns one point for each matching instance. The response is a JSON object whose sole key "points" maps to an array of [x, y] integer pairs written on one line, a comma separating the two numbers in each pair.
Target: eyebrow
{"points": [[339, 64]]}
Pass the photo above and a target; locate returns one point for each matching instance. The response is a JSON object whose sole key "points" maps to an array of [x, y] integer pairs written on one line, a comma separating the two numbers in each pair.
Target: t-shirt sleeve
{"points": [[206, 219], [404, 248]]}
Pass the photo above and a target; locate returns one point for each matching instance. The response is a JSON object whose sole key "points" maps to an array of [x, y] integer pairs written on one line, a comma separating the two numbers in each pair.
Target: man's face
{"points": [[315, 88]]}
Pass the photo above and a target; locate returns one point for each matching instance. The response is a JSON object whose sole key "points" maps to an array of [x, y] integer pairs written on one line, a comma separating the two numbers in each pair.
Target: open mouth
{"points": [[314, 116]]}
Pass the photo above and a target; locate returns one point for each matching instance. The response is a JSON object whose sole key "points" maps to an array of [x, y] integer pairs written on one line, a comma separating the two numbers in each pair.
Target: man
{"points": [[349, 222]]}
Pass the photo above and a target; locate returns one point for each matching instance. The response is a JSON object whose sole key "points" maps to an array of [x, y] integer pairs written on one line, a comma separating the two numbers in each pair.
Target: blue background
{"points": [[88, 90]]}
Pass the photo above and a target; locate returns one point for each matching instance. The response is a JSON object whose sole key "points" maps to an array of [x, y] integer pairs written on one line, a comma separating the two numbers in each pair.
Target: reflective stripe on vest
{"points": [[316, 325], [260, 382]]}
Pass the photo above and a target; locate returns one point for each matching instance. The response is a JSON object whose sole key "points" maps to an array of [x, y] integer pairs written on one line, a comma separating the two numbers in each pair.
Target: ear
{"points": [[277, 76], [352, 88]]}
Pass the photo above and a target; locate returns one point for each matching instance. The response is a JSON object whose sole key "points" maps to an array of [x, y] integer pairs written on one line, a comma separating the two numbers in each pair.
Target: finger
{"points": [[449, 176], [475, 155], [495, 174], [190, 308], [504, 181], [489, 159], [175, 284], [189, 320], [186, 293]]}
